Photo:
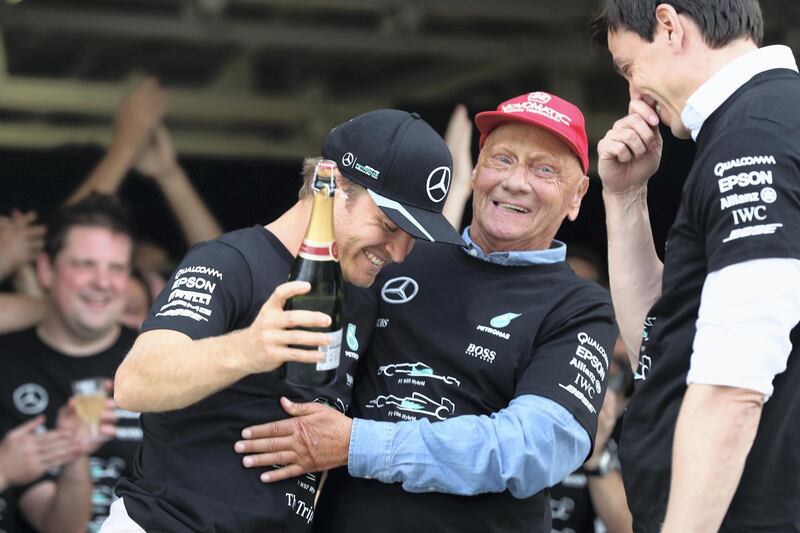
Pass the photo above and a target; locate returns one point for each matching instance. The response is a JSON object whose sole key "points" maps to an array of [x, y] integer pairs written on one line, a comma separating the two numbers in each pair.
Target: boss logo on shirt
{"points": [[479, 352], [30, 399]]}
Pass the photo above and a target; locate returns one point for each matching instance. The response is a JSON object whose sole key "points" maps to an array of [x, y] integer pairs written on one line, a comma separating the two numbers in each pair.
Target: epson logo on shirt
{"points": [[745, 179], [195, 283]]}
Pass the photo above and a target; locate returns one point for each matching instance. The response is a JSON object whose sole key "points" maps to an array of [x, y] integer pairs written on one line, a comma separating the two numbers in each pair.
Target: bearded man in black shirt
{"points": [[711, 440], [204, 366]]}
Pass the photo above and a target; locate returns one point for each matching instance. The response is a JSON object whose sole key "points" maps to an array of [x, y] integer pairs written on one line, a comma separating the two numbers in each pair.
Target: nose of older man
{"points": [[517, 181]]}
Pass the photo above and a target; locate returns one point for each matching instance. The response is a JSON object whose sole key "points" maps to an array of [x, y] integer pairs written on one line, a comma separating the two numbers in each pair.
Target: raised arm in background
{"points": [[136, 118], [158, 161], [459, 139]]}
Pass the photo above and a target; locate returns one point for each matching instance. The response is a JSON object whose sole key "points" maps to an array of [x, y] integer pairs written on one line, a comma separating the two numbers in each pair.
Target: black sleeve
{"points": [[746, 199], [207, 294], [571, 358]]}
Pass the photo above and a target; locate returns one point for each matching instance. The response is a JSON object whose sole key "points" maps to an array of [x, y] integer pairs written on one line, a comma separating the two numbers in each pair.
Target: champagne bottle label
{"points": [[331, 351], [316, 251]]}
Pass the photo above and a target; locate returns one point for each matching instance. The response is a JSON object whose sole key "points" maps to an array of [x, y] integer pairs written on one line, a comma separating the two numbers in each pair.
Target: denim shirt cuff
{"points": [[370, 452]]}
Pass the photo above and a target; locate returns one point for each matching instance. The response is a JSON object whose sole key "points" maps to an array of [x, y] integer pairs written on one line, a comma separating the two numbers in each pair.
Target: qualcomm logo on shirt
{"points": [[497, 323]]}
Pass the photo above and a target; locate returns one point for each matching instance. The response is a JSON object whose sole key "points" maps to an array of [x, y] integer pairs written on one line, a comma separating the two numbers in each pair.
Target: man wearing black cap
{"points": [[203, 366], [487, 365]]}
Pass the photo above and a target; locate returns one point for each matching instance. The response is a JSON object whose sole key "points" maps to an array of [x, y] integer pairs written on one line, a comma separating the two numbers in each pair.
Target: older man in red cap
{"points": [[487, 365]]}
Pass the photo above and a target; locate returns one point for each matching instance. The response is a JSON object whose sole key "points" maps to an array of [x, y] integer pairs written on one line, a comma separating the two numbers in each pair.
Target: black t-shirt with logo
{"points": [[456, 335], [37, 379], [571, 505], [187, 475], [740, 202]]}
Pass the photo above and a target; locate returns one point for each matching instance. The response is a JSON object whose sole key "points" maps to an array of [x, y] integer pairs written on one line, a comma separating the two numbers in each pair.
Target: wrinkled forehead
{"points": [[530, 139]]}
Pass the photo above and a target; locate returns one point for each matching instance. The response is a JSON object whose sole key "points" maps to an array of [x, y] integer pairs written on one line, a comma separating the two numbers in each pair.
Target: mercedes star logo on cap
{"points": [[399, 290], [348, 159], [438, 184]]}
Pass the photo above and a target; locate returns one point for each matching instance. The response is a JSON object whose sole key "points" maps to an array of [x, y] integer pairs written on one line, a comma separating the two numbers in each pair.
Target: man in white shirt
{"points": [[721, 314]]}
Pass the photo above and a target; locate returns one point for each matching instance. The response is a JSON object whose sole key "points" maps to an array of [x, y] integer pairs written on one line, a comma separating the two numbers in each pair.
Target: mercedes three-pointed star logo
{"points": [[438, 184], [348, 159], [399, 290], [30, 399]]}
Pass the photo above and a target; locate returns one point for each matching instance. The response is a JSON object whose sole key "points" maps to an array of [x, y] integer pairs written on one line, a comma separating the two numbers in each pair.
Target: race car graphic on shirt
{"points": [[416, 403], [416, 370]]}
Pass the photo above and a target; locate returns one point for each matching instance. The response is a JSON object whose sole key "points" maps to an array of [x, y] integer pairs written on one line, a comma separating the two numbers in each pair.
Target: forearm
{"points": [[608, 498], [71, 508], [19, 312], [522, 453], [634, 267], [196, 221], [172, 374], [713, 436], [109, 173], [25, 282]]}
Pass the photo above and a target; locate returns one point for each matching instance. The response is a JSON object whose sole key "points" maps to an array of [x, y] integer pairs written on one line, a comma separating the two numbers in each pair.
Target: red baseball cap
{"points": [[545, 110]]}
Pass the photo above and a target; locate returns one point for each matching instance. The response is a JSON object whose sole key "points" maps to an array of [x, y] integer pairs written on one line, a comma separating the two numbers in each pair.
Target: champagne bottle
{"points": [[317, 264]]}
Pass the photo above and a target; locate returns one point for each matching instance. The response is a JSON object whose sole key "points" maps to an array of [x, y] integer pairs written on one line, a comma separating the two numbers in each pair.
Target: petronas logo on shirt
{"points": [[501, 321], [497, 323]]}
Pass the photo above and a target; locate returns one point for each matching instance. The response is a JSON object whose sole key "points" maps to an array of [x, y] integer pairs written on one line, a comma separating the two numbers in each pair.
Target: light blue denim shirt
{"points": [[532, 444]]}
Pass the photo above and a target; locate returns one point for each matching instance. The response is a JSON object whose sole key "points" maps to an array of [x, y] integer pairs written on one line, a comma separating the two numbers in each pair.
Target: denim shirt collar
{"points": [[555, 254]]}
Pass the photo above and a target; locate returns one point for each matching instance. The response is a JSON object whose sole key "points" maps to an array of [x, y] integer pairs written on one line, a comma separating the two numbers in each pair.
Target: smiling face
{"points": [[367, 240], [525, 183], [87, 281]]}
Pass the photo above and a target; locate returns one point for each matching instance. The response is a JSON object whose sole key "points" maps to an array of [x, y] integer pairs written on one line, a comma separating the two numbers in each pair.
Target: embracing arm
{"points": [[532, 444], [168, 370], [628, 155]]}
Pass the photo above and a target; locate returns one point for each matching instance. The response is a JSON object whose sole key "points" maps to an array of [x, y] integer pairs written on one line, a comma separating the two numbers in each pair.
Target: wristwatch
{"points": [[607, 463]]}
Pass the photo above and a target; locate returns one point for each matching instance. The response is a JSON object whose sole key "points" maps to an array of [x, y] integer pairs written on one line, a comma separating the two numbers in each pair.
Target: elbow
{"points": [[126, 390]]}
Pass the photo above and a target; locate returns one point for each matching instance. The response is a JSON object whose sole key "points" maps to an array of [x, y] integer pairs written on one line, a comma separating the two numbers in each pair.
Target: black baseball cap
{"points": [[405, 166]]}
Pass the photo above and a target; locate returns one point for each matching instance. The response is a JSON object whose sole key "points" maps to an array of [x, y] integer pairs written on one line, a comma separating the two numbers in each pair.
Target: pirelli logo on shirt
{"points": [[190, 293]]}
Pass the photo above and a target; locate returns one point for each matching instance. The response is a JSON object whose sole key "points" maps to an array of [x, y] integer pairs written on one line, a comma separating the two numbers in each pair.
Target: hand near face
{"points": [[631, 151], [316, 438]]}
